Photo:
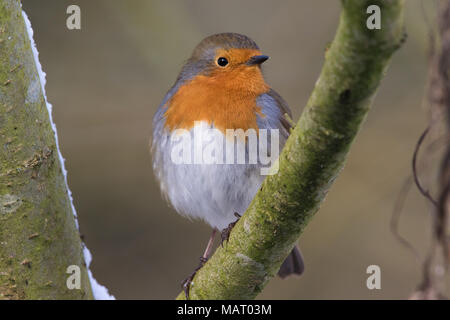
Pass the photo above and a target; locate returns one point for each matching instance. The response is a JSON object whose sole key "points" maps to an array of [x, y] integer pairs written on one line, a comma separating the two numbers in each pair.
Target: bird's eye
{"points": [[222, 61]]}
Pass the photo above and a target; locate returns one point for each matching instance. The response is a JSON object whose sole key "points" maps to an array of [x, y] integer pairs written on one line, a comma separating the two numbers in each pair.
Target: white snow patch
{"points": [[99, 291]]}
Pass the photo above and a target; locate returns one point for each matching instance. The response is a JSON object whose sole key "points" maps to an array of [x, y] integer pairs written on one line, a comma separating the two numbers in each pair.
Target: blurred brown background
{"points": [[105, 82]]}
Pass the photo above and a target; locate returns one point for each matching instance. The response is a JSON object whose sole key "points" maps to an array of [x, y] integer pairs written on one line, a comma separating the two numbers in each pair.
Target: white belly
{"points": [[212, 192]]}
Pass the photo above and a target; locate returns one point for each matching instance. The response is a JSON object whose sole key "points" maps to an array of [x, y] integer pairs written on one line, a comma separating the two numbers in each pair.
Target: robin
{"points": [[220, 88]]}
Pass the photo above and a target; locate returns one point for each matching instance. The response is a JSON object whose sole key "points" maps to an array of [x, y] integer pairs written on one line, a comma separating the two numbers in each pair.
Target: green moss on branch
{"points": [[38, 236]]}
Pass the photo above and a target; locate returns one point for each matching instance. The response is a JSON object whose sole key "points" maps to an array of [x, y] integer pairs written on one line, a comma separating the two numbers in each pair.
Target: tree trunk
{"points": [[311, 159], [39, 238]]}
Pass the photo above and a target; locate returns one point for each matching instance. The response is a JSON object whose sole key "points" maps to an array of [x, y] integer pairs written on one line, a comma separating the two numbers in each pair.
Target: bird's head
{"points": [[228, 57]]}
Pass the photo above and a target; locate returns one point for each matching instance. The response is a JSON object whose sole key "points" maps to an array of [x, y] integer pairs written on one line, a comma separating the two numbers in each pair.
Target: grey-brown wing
{"points": [[284, 109]]}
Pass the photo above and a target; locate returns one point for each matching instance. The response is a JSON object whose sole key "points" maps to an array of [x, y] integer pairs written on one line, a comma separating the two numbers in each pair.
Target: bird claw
{"points": [[225, 233], [186, 284]]}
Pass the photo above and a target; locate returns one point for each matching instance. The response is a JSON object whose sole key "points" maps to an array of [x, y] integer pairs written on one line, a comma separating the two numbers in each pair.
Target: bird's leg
{"points": [[186, 284], [225, 234]]}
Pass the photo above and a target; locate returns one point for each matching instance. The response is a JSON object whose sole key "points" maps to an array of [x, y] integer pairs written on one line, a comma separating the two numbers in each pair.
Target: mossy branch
{"points": [[38, 235], [312, 157]]}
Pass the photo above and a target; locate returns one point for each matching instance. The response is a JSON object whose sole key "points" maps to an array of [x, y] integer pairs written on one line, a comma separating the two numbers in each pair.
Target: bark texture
{"points": [[38, 235]]}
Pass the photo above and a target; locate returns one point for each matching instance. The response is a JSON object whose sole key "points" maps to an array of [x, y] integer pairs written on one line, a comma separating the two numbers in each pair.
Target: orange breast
{"points": [[225, 98]]}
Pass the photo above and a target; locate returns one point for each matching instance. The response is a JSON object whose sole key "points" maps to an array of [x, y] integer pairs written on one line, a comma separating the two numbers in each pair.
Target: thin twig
{"points": [[424, 192], [395, 218]]}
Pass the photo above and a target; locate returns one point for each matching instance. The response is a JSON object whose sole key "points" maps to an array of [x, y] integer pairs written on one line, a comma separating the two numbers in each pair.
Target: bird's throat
{"points": [[225, 99]]}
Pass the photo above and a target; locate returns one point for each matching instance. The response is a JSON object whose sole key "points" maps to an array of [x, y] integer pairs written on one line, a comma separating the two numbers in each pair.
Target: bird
{"points": [[221, 87]]}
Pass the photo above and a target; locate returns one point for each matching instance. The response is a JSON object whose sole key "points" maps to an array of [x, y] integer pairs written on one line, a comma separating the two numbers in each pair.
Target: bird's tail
{"points": [[293, 264]]}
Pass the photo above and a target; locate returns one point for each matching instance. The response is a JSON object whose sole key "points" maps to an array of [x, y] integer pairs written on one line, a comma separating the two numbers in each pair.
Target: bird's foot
{"points": [[186, 284], [225, 233]]}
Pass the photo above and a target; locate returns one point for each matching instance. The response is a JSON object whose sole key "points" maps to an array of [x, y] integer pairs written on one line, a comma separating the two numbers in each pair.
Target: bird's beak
{"points": [[255, 60]]}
